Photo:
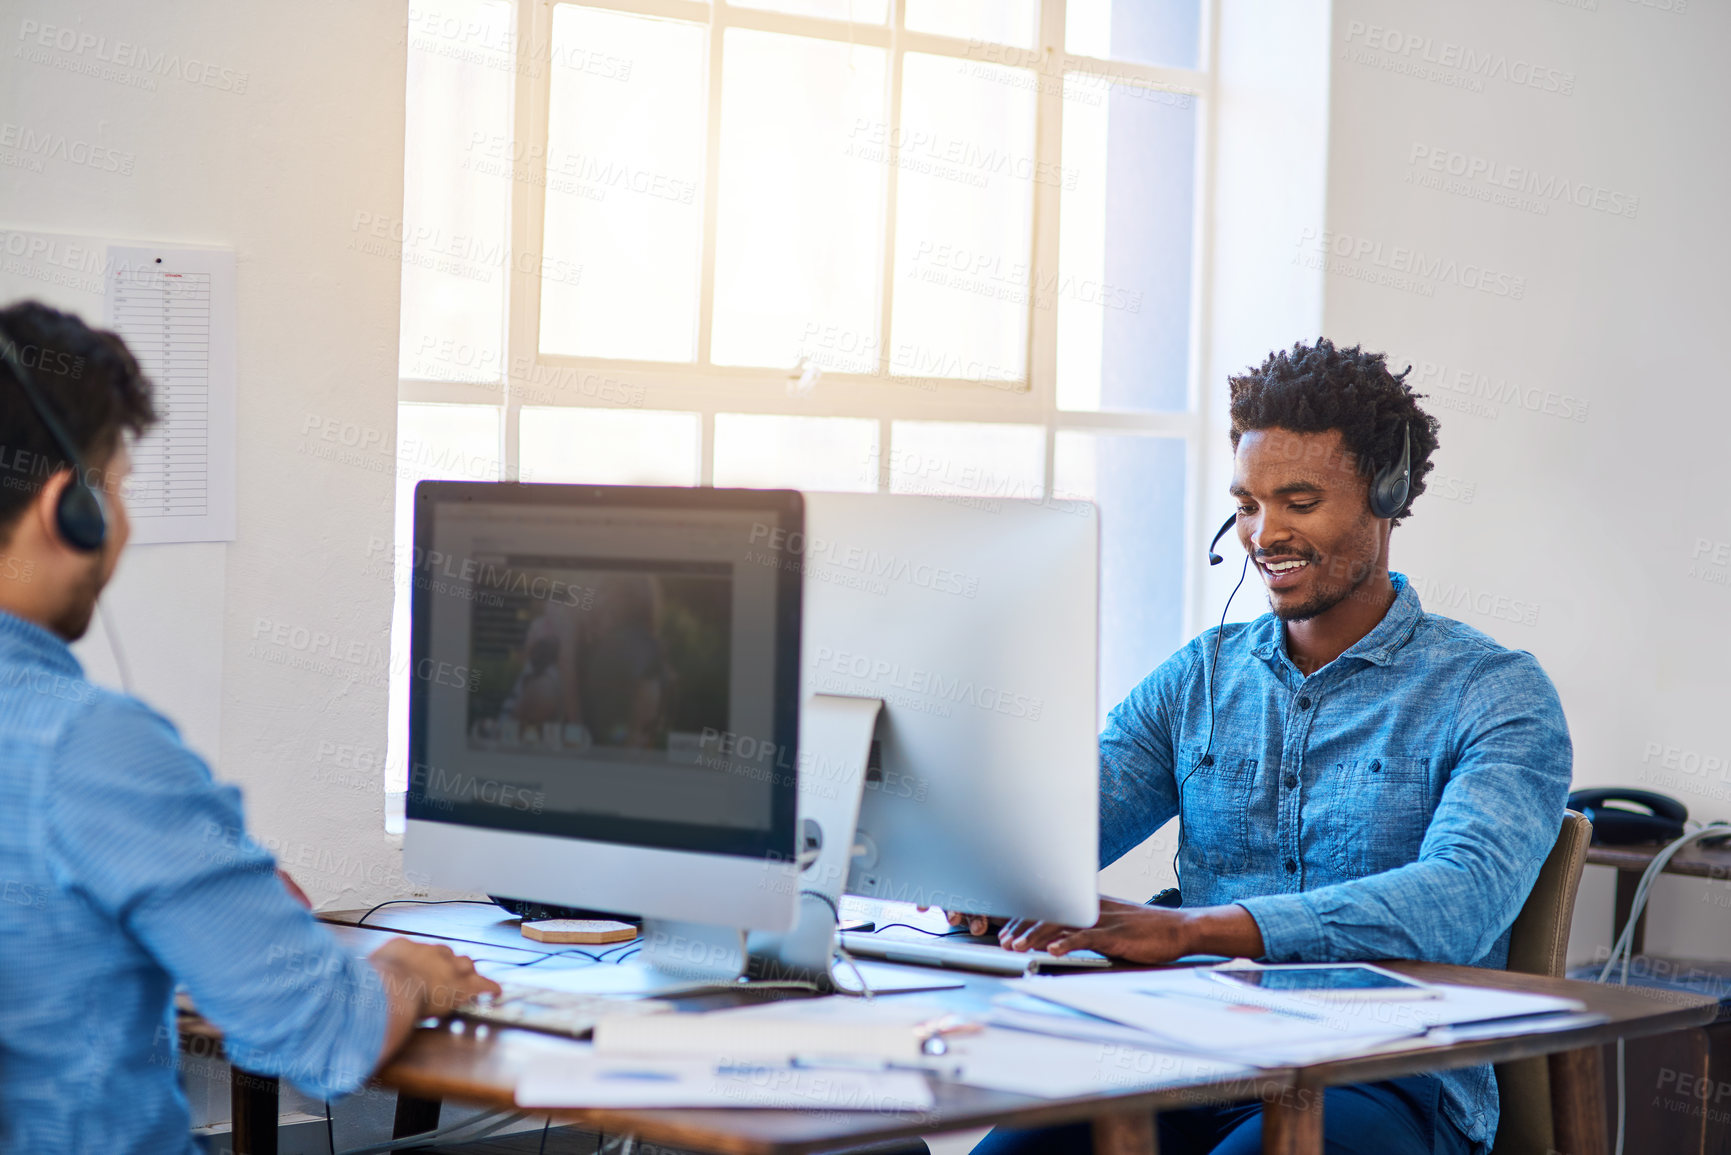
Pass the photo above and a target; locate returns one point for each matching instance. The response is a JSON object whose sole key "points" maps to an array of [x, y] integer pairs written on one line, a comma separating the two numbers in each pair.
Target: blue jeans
{"points": [[1400, 1117]]}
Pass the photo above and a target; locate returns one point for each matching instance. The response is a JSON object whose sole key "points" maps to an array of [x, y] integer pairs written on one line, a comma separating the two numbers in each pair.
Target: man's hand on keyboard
{"points": [[978, 925], [1144, 934]]}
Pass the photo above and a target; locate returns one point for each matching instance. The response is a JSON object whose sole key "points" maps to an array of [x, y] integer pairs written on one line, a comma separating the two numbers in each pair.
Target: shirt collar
{"points": [[1377, 647], [24, 639]]}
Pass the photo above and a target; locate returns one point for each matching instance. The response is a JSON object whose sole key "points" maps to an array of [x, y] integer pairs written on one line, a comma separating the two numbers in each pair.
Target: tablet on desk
{"points": [[1327, 980]]}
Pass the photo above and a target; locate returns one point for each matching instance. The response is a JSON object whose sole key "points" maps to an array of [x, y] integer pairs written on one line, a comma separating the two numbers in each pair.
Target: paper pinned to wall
{"points": [[175, 308]]}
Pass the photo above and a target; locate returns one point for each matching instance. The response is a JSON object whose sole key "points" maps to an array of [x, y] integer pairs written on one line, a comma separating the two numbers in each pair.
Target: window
{"points": [[913, 246]]}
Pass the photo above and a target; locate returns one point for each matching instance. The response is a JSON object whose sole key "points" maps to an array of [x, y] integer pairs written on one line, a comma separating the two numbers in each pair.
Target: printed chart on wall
{"points": [[175, 309]]}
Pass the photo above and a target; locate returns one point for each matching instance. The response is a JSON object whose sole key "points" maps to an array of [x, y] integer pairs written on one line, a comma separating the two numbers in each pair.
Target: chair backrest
{"points": [[1538, 945], [1539, 938]]}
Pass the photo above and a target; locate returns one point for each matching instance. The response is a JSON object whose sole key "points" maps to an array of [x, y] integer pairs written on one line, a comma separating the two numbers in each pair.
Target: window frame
{"points": [[707, 389]]}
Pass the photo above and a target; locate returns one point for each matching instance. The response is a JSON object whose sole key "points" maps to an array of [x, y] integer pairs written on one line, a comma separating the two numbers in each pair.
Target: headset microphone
{"points": [[1214, 558]]}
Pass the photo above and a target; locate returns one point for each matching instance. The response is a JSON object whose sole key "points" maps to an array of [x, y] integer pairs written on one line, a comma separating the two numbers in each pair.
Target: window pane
{"points": [[1164, 32], [799, 241], [608, 447], [992, 21], [1138, 483], [977, 460], [854, 11], [624, 224], [434, 442], [1124, 247], [452, 240], [964, 221], [765, 452]]}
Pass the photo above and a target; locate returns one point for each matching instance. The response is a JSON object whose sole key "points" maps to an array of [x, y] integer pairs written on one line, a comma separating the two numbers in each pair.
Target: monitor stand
{"points": [[835, 735]]}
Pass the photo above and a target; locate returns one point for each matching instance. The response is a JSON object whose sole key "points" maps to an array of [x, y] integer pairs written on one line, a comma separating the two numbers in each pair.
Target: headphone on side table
{"points": [[80, 515]]}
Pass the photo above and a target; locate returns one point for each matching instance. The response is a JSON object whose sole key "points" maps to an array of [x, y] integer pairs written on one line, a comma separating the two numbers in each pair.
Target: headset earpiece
{"points": [[1392, 484], [81, 516]]}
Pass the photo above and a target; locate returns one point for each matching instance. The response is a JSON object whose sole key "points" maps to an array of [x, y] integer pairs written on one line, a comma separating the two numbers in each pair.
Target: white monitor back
{"points": [[977, 624]]}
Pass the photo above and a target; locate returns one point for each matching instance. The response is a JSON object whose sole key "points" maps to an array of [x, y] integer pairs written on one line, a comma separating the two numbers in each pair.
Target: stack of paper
{"points": [[900, 1030], [604, 1081]]}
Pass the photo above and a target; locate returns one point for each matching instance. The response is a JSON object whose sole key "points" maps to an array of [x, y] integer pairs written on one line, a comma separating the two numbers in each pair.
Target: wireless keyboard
{"points": [[555, 1012], [964, 952]]}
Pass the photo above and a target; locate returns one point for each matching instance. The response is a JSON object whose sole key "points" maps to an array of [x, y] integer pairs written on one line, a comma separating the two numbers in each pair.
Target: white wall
{"points": [[1576, 539], [270, 651], [1269, 183]]}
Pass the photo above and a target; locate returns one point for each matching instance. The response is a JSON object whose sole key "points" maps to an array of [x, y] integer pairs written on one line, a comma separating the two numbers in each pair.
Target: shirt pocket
{"points": [[1376, 813], [1216, 816]]}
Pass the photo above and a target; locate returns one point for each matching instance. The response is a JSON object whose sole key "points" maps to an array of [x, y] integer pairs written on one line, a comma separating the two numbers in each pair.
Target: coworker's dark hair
{"points": [[87, 377], [1315, 388]]}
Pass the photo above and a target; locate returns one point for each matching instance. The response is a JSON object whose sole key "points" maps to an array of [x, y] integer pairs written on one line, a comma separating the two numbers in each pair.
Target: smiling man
{"points": [[1355, 778]]}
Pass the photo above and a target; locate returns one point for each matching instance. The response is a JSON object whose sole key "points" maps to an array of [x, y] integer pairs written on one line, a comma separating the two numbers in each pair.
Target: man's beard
{"points": [[72, 622], [1321, 602]]}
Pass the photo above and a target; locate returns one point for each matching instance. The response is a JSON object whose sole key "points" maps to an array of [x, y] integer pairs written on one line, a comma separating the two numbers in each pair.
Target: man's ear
{"points": [[44, 509]]}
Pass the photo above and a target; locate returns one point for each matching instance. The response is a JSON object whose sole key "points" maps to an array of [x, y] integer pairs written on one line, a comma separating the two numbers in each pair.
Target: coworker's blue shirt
{"points": [[124, 869], [1397, 803]]}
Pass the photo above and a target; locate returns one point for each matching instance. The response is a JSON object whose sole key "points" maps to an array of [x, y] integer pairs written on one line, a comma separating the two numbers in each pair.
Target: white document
{"points": [[1050, 1067], [617, 1082], [1188, 1012], [175, 308], [823, 1029]]}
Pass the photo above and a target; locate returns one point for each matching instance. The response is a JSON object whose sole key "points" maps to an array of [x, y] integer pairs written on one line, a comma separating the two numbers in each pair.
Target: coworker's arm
{"points": [[1491, 832], [138, 828], [421, 979]]}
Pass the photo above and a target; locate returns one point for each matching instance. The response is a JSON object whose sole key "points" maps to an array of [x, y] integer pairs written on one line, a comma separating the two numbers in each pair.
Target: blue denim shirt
{"points": [[124, 869], [1397, 803]]}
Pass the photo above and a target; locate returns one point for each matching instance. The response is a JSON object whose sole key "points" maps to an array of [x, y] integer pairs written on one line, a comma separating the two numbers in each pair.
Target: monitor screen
{"points": [[609, 663]]}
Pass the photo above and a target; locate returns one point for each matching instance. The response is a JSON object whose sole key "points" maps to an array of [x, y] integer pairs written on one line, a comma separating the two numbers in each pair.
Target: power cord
{"points": [[487, 1122], [865, 989], [362, 921], [1625, 944]]}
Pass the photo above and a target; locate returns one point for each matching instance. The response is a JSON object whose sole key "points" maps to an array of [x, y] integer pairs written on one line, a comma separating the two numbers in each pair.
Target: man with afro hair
{"points": [[1354, 778]]}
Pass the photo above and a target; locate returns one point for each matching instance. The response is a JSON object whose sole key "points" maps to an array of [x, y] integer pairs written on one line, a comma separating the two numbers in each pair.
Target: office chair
{"points": [[1538, 945]]}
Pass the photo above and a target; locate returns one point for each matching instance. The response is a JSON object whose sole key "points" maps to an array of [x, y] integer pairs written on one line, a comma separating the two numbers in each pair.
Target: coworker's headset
{"points": [[81, 515], [1615, 825], [1389, 490]]}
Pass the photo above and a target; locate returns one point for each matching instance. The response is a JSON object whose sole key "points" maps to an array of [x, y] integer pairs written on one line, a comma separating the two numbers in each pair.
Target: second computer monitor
{"points": [[976, 622]]}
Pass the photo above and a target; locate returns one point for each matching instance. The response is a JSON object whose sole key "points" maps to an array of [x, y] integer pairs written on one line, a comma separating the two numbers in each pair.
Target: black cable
{"points": [[544, 1130], [362, 921], [331, 1131], [1207, 750], [953, 932]]}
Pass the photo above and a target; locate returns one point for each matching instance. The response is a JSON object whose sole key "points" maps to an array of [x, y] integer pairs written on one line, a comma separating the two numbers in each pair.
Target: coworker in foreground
{"points": [[1372, 781], [125, 868]]}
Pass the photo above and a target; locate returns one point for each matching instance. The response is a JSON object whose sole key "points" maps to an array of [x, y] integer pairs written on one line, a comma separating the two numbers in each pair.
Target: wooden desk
{"points": [[481, 1065], [1694, 860]]}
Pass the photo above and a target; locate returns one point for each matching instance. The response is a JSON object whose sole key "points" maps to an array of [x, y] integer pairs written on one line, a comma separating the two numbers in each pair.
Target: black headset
{"points": [[80, 515], [1389, 490]]}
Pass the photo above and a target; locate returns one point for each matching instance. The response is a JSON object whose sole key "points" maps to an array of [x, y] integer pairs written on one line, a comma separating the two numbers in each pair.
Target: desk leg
{"points": [[1628, 882], [1292, 1123], [1130, 1133], [415, 1116], [252, 1102], [1577, 1102]]}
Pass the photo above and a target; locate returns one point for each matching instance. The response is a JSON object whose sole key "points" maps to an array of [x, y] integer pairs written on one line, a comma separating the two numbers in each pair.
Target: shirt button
{"points": [[1304, 703], [1291, 866], [1207, 760], [1292, 782]]}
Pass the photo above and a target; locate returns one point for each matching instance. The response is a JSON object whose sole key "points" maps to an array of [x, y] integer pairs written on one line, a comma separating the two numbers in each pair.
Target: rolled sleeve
{"points": [[138, 826]]}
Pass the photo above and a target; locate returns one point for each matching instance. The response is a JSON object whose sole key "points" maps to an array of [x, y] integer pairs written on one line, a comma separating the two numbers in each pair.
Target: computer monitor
{"points": [[976, 622], [586, 663]]}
